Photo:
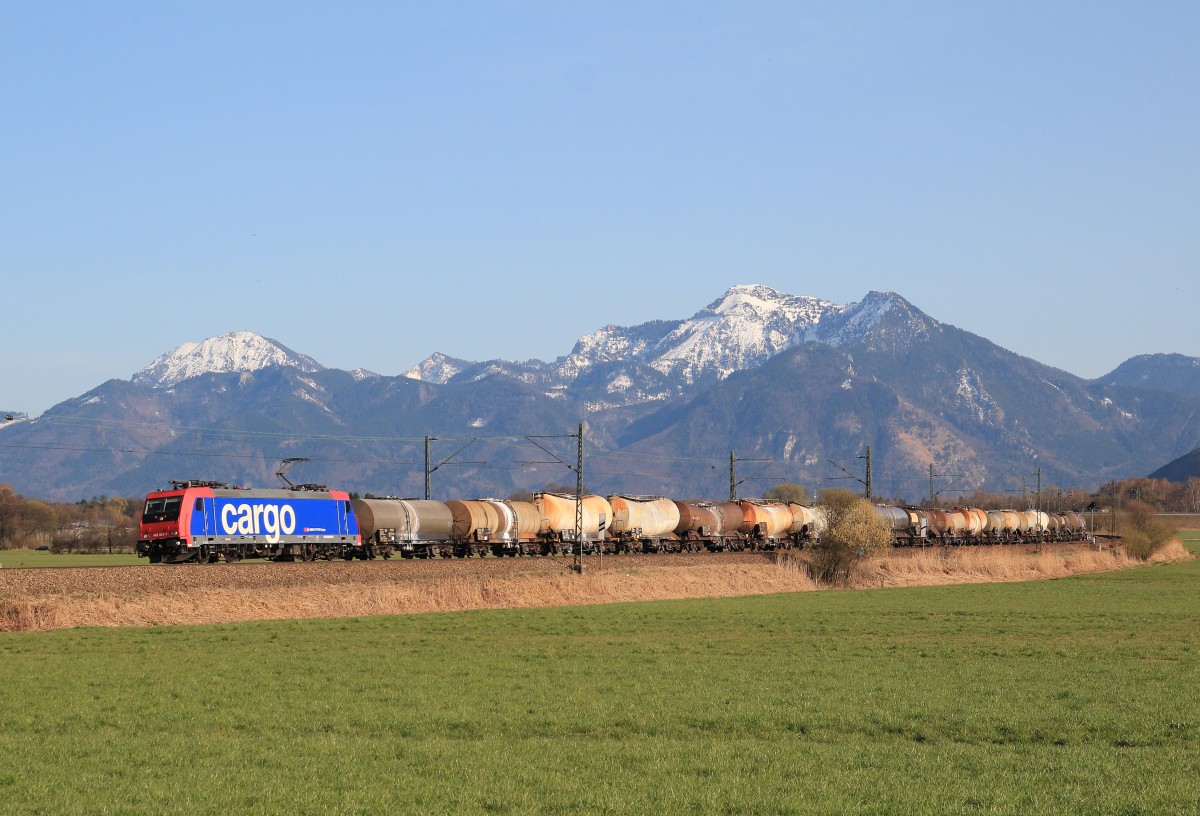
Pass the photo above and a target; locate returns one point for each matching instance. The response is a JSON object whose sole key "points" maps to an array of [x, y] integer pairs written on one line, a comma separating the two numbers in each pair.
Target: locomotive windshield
{"points": [[164, 508]]}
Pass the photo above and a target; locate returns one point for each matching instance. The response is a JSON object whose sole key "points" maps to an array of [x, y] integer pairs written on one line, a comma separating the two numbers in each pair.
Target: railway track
{"points": [[165, 578]]}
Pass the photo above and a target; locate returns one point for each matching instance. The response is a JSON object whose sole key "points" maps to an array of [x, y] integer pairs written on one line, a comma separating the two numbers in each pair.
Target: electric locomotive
{"points": [[209, 521]]}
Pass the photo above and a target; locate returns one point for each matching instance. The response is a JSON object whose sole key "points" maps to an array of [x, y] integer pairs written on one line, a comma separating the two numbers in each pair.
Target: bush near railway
{"points": [[1142, 533], [855, 531]]}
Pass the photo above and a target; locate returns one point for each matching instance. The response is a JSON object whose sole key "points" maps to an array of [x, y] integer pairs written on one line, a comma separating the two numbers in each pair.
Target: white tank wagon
{"points": [[643, 523], [997, 525], [1034, 523]]}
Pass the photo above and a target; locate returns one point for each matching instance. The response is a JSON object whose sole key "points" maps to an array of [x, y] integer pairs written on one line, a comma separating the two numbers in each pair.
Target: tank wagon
{"points": [[645, 524], [971, 525], [713, 526], [412, 527], [208, 521], [765, 525], [808, 523], [557, 531], [504, 528]]}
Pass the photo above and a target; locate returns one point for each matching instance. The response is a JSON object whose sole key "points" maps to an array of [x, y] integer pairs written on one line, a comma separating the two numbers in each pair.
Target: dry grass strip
{"points": [[968, 565], [199, 605]]}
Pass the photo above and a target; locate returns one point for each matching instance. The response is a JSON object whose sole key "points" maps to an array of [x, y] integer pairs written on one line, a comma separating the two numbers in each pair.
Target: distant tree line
{"points": [[1161, 495], [98, 524]]}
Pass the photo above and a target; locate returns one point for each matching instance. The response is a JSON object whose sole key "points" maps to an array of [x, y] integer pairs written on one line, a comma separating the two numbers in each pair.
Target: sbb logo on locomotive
{"points": [[256, 519]]}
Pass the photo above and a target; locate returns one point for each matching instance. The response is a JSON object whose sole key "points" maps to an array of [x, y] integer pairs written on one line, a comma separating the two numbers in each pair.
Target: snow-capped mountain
{"points": [[614, 365], [742, 329], [883, 321], [651, 361], [436, 368], [236, 351]]}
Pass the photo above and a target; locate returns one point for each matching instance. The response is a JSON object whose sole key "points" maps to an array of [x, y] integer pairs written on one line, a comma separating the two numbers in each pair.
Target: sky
{"points": [[368, 183]]}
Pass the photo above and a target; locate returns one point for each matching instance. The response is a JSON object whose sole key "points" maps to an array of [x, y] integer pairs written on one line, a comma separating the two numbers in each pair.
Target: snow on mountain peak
{"points": [[742, 329], [752, 297], [236, 351], [739, 330], [869, 320], [436, 368]]}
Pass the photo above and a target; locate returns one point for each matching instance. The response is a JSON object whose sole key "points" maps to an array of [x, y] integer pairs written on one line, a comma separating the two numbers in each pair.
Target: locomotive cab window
{"points": [[199, 505], [348, 510], [164, 508]]}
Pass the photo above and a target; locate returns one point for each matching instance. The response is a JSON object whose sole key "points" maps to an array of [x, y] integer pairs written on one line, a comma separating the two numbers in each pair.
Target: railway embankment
{"points": [[37, 599]]}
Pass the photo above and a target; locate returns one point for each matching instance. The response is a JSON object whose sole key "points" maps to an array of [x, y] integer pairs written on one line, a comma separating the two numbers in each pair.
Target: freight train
{"points": [[205, 522]]}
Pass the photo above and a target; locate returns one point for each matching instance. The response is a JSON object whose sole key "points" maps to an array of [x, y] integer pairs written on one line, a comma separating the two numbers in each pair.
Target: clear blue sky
{"points": [[371, 182]]}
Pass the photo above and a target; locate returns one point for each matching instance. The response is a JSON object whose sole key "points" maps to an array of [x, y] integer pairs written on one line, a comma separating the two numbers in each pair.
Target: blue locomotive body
{"points": [[207, 522]]}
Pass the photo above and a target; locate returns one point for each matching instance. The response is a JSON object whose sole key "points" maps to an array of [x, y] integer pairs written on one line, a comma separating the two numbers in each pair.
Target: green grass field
{"points": [[42, 558], [1070, 696]]}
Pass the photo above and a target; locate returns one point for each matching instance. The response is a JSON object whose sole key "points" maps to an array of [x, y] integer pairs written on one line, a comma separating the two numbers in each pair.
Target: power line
{"points": [[211, 454]]}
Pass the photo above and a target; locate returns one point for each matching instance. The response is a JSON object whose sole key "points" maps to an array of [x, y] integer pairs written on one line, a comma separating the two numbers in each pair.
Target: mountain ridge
{"points": [[234, 351], [817, 383]]}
